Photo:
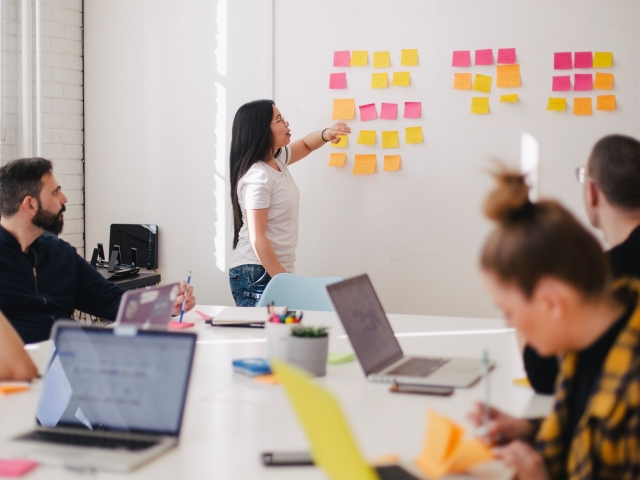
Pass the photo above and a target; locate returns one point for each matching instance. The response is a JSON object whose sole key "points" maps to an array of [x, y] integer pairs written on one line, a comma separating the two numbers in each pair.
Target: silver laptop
{"points": [[377, 348], [147, 307], [108, 401]]}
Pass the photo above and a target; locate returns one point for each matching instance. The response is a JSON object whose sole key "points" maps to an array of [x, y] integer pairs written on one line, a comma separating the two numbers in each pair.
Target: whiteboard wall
{"points": [[417, 232]]}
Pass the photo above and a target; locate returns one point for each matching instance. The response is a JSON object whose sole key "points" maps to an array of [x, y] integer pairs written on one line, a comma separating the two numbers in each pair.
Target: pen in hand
{"points": [[184, 300]]}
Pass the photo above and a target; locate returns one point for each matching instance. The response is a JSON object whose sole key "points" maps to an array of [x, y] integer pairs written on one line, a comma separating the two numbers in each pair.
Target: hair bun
{"points": [[511, 196]]}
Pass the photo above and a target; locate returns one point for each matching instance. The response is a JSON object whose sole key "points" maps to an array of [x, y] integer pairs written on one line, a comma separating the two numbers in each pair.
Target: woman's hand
{"points": [[189, 304], [501, 428], [528, 463], [336, 129]]}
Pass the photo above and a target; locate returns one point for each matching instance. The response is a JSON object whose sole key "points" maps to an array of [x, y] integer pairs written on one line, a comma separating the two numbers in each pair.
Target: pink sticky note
{"points": [[16, 468], [389, 111], [203, 315], [412, 109], [484, 57], [461, 58], [179, 325], [562, 61], [507, 55], [368, 112], [561, 83], [342, 58], [583, 59], [338, 80], [582, 82]]}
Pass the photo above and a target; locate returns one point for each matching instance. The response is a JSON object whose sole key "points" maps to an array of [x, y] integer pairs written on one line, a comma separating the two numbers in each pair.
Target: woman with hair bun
{"points": [[550, 278]]}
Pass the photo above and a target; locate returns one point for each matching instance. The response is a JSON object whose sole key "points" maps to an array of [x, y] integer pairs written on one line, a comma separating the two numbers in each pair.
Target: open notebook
{"points": [[245, 315]]}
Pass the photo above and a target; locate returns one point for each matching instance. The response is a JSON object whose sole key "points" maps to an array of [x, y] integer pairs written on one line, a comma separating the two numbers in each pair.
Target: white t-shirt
{"points": [[265, 187]]}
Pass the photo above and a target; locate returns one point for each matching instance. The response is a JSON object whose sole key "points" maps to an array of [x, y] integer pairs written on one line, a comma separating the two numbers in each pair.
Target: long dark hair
{"points": [[251, 142]]}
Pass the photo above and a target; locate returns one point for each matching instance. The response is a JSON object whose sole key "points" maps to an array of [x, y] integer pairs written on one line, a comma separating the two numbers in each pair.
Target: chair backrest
{"points": [[298, 293]]}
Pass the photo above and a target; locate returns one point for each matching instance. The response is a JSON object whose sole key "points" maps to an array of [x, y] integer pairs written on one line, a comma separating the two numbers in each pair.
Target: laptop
{"points": [[377, 349], [333, 447], [147, 307], [109, 400]]}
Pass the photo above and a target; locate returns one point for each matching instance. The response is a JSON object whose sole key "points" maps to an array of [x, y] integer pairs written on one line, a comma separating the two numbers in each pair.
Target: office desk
{"points": [[230, 419], [144, 278]]}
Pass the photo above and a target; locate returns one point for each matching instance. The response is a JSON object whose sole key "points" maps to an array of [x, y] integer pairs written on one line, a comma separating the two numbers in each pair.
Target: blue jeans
{"points": [[247, 284]]}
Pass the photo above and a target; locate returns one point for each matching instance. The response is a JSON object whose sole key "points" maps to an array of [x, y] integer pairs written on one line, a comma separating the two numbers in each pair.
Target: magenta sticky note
{"points": [[342, 58], [461, 58], [412, 109], [562, 61], [583, 59], [16, 468], [389, 111], [338, 80], [582, 82], [507, 55], [484, 57], [561, 83], [368, 112]]}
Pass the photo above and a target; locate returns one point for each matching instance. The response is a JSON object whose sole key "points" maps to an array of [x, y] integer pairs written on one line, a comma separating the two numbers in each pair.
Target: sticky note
{"points": [[334, 358], [344, 139], [604, 81], [602, 59], [583, 59], [482, 83], [7, 388], [359, 58], [365, 164], [562, 61], [390, 139], [413, 135], [343, 109], [379, 80], [409, 58], [401, 79], [368, 112], [512, 98], [412, 109], [367, 137], [269, 379], [381, 59], [16, 468], [561, 83], [557, 104], [484, 57], [507, 55], [522, 382], [461, 58], [582, 106], [337, 159], [480, 105], [462, 81], [389, 111], [583, 82], [341, 58], [508, 76], [338, 80], [391, 163], [606, 102]]}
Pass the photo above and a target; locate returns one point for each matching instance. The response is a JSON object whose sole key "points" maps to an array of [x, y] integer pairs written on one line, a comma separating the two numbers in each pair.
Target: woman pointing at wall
{"points": [[264, 197]]}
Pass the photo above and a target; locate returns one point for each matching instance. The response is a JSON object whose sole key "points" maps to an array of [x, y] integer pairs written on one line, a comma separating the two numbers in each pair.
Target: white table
{"points": [[230, 419]]}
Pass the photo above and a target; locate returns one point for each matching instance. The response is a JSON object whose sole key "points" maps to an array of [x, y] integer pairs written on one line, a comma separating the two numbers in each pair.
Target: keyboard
{"points": [[87, 440], [418, 367], [394, 472]]}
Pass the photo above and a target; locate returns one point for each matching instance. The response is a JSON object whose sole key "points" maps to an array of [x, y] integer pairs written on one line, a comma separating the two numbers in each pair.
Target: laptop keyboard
{"points": [[418, 367], [394, 472], [87, 440]]}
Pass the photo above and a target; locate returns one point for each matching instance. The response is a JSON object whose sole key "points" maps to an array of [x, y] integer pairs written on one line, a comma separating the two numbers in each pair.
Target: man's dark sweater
{"points": [[48, 283]]}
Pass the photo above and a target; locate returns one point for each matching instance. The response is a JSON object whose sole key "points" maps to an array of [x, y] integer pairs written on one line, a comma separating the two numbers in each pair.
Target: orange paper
{"points": [[337, 159], [462, 81], [604, 81], [364, 164], [582, 106], [391, 163], [606, 102], [343, 109], [508, 76], [269, 379]]}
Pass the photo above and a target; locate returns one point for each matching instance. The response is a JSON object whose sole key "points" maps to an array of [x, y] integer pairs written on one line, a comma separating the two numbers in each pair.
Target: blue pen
{"points": [[184, 300]]}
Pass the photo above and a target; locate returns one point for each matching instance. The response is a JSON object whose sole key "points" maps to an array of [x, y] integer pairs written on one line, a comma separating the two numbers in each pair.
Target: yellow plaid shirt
{"points": [[606, 442]]}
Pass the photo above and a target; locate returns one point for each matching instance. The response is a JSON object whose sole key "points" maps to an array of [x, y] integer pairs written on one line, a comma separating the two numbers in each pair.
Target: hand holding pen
{"points": [[185, 300]]}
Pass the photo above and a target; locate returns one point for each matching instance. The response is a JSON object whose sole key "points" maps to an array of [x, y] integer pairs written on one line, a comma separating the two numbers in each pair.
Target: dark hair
{"points": [[251, 142], [536, 240], [614, 165], [21, 178]]}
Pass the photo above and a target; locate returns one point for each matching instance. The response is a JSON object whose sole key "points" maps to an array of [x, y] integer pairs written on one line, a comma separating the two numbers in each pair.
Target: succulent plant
{"points": [[309, 332]]}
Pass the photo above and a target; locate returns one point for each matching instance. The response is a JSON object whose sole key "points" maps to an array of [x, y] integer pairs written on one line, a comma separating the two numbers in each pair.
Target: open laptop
{"points": [[147, 307], [377, 348], [108, 401]]}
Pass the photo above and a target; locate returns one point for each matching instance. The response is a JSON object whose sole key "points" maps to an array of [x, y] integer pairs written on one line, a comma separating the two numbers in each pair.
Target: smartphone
{"points": [[286, 459], [421, 389]]}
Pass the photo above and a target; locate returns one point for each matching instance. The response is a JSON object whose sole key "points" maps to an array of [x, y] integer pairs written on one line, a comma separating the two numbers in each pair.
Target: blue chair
{"points": [[298, 293]]}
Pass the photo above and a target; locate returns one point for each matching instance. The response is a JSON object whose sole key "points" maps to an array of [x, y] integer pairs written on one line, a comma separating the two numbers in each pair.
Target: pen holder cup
{"points": [[309, 353], [277, 334]]}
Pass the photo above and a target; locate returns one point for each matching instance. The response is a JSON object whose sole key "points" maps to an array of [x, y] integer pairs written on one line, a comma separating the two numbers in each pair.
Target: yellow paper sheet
{"points": [[604, 81], [480, 105], [379, 80], [508, 76], [390, 139], [337, 159], [381, 59], [367, 137], [391, 163], [409, 58], [462, 81], [482, 83], [602, 59], [359, 58], [401, 79], [511, 98], [557, 104], [344, 139], [413, 135], [365, 164], [343, 109], [606, 102], [582, 106]]}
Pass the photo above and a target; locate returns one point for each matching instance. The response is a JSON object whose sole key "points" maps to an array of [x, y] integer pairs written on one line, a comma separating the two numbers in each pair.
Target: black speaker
{"points": [[142, 238]]}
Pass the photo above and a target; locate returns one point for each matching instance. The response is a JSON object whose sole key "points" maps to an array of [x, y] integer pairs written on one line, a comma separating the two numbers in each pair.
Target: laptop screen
{"points": [[367, 326], [148, 306], [98, 379]]}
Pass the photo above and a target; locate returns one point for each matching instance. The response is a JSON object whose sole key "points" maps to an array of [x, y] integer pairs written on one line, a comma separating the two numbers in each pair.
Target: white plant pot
{"points": [[309, 353], [277, 334]]}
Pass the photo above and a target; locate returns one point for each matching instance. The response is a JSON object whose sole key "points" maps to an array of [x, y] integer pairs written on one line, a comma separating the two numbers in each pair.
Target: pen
{"points": [[184, 300]]}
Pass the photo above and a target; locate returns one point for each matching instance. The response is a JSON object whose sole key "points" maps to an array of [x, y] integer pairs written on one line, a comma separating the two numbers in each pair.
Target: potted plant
{"points": [[308, 347]]}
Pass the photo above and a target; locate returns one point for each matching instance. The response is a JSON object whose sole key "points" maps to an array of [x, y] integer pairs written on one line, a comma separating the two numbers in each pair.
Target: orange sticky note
{"points": [[462, 81], [508, 76], [606, 102], [604, 81], [557, 104], [343, 109], [337, 159], [480, 105], [482, 83], [413, 135], [582, 106], [269, 379], [365, 164], [391, 163], [401, 79], [359, 58], [7, 388]]}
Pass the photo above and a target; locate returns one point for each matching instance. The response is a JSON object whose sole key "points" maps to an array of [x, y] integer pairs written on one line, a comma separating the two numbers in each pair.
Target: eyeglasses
{"points": [[281, 119], [581, 174]]}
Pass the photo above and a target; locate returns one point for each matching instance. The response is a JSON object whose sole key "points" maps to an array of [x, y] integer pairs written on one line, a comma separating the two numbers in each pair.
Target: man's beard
{"points": [[50, 222]]}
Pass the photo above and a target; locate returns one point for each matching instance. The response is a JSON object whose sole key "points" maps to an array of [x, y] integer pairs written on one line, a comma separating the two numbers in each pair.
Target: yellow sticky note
{"points": [[480, 105], [337, 159], [512, 98], [409, 58], [365, 164], [379, 80], [413, 135], [522, 382], [367, 137], [508, 76], [604, 81], [462, 81], [381, 59], [391, 163], [343, 109], [359, 58], [482, 83], [602, 59], [342, 143], [582, 106], [401, 79], [557, 104], [606, 102], [390, 139]]}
